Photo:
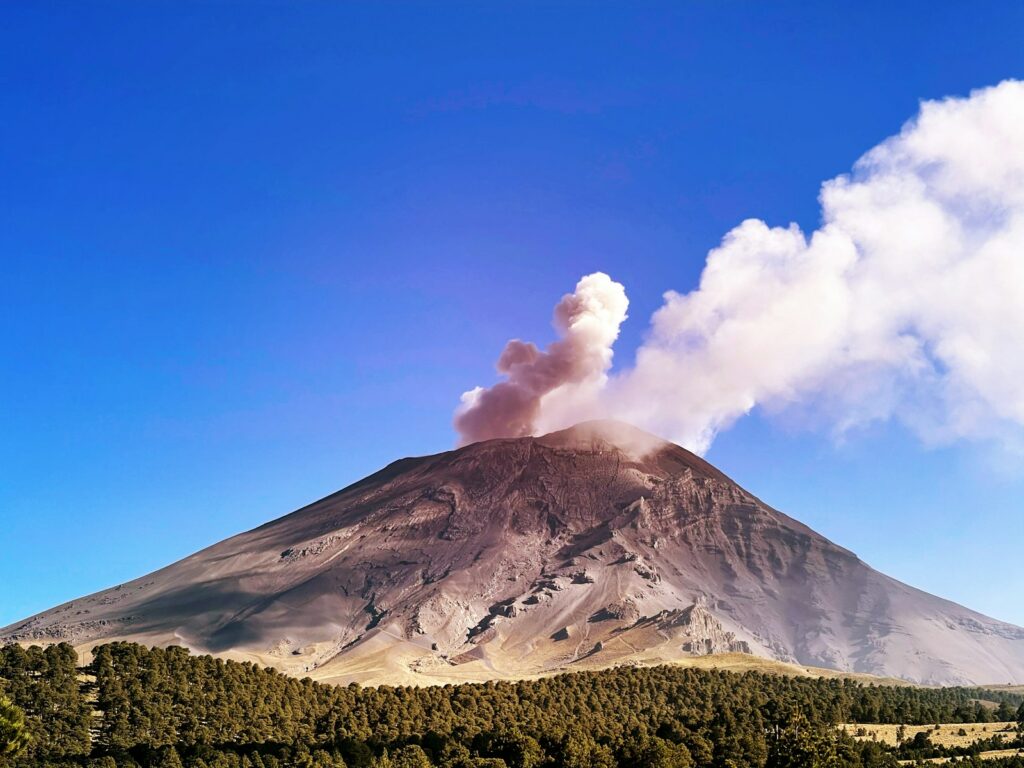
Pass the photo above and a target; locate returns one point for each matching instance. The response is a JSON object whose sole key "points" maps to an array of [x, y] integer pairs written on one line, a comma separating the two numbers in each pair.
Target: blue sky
{"points": [[252, 253]]}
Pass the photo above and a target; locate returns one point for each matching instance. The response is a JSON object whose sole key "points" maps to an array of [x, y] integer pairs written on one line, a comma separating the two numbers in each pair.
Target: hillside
{"points": [[593, 547]]}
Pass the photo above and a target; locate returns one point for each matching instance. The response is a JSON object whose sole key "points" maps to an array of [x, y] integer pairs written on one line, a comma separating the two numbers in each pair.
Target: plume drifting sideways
{"points": [[906, 303]]}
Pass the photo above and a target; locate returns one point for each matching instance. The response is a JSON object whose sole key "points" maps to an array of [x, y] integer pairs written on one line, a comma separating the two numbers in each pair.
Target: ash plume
{"points": [[587, 321], [906, 303]]}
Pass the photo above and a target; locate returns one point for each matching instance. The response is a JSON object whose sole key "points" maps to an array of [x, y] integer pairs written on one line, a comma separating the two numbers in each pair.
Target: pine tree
{"points": [[577, 750], [517, 749], [324, 759], [798, 744], [216, 712], [411, 756], [168, 758], [644, 751], [1005, 712], [14, 736]]}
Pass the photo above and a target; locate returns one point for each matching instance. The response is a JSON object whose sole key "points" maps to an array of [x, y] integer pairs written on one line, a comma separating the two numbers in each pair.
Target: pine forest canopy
{"points": [[133, 706]]}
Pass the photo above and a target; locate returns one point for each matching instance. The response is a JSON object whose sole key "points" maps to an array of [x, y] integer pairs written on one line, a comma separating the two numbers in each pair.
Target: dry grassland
{"points": [[948, 734]]}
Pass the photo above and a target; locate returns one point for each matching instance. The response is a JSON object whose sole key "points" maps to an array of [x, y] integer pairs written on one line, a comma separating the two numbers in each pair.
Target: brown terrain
{"points": [[591, 547]]}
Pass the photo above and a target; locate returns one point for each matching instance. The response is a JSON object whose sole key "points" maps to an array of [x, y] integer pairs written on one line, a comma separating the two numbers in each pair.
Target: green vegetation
{"points": [[134, 707], [13, 733]]}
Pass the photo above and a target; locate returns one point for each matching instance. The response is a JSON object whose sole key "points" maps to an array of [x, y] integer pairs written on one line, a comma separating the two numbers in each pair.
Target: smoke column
{"points": [[588, 323], [906, 303]]}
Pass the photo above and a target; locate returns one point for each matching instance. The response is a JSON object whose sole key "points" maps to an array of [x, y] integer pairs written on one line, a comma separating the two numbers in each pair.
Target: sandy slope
{"points": [[595, 546]]}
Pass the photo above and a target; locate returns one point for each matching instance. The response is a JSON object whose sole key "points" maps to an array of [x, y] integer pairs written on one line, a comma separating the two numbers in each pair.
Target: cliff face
{"points": [[593, 546]]}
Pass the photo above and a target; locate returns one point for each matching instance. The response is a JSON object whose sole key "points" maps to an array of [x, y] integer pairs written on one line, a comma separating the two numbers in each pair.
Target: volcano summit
{"points": [[594, 546]]}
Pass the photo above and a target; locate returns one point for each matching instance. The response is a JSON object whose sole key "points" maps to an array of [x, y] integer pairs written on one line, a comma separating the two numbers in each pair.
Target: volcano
{"points": [[591, 547]]}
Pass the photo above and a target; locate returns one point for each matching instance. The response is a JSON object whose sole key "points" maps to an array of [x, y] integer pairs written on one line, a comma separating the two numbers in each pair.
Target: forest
{"points": [[136, 707]]}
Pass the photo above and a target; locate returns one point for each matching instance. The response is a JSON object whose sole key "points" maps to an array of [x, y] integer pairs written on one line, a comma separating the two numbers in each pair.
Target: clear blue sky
{"points": [[252, 252]]}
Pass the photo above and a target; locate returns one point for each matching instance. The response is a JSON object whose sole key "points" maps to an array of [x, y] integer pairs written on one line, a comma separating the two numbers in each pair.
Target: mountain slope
{"points": [[593, 546]]}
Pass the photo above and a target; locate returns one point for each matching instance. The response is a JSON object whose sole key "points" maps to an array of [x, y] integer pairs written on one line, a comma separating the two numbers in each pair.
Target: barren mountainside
{"points": [[594, 546]]}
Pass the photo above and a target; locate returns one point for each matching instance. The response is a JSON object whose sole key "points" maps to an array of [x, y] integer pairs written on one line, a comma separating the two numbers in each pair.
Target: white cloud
{"points": [[907, 303]]}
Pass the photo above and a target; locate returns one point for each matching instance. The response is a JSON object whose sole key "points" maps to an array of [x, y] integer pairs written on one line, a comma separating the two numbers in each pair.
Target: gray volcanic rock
{"points": [[596, 545]]}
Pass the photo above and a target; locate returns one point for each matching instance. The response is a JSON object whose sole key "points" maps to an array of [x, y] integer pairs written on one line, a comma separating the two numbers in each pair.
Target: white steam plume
{"points": [[908, 303]]}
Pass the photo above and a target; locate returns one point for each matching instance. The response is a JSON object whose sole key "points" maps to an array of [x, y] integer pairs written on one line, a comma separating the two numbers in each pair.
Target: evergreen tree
{"points": [[168, 758], [324, 759], [655, 752], [14, 736], [515, 748], [577, 750], [798, 744], [163, 707], [410, 756], [1005, 712]]}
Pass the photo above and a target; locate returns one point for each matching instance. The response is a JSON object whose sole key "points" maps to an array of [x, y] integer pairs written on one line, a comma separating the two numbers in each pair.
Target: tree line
{"points": [[137, 707]]}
